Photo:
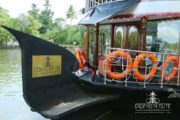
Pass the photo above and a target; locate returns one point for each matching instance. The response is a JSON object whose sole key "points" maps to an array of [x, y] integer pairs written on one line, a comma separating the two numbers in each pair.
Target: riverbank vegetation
{"points": [[41, 23]]}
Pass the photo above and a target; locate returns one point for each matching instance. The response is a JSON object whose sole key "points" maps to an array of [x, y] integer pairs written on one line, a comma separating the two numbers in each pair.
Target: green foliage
{"points": [[40, 23], [57, 34], [46, 18], [168, 47], [76, 37], [14, 23], [4, 16], [29, 25], [60, 22], [71, 13], [4, 20], [104, 36], [34, 12], [132, 40], [118, 40]]}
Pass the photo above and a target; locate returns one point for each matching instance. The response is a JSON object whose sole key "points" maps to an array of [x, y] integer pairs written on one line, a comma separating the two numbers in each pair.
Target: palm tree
{"points": [[71, 14]]}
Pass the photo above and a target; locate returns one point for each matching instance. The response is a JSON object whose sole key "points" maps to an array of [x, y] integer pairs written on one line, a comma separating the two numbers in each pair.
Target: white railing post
{"points": [[178, 71], [126, 68], [145, 70], [178, 63], [105, 72], [163, 70]]}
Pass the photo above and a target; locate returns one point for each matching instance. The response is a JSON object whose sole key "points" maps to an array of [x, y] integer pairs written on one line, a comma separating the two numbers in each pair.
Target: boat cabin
{"points": [[130, 41]]}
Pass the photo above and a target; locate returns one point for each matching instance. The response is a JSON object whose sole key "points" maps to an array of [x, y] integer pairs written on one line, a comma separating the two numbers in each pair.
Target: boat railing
{"points": [[93, 3], [157, 71]]}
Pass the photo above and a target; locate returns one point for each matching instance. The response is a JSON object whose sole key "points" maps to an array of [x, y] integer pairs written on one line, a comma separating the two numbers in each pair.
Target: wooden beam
{"points": [[125, 37], [113, 36], [143, 33], [132, 23], [86, 42], [96, 47], [139, 38], [143, 40], [178, 78], [179, 43]]}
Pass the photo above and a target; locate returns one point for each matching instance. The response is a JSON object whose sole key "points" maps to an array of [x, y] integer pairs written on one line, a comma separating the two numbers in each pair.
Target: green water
{"points": [[12, 104]]}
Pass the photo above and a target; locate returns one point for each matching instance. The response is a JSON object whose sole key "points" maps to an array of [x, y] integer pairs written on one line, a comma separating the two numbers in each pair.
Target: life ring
{"points": [[80, 56], [174, 71], [140, 77], [118, 76], [83, 57]]}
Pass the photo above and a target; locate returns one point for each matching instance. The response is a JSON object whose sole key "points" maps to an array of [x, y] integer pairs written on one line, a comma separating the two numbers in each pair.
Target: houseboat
{"points": [[131, 55]]}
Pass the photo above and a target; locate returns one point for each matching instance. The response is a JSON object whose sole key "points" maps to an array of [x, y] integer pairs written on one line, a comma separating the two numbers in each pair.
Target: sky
{"points": [[17, 7]]}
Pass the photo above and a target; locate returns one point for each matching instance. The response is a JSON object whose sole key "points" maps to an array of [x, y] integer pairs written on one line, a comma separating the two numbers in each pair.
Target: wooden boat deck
{"points": [[75, 102], [131, 85]]}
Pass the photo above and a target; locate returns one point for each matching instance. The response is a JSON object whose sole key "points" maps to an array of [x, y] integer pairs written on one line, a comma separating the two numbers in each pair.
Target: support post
{"points": [[96, 47], [86, 42], [112, 36], [143, 41], [139, 38], [125, 37], [143, 33]]}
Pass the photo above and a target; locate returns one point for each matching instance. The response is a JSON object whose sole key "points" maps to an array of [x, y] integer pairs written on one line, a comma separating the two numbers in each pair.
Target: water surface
{"points": [[12, 104]]}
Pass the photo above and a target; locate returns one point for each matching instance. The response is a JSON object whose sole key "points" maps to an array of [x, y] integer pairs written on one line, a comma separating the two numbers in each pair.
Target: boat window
{"points": [[91, 43], [104, 38], [119, 37], [132, 38], [151, 37], [163, 36]]}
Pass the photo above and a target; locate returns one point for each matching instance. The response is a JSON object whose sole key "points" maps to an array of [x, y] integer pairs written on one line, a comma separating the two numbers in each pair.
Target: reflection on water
{"points": [[12, 105]]}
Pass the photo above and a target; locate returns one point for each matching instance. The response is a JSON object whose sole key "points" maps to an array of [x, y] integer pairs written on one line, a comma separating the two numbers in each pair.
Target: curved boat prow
{"points": [[49, 85]]}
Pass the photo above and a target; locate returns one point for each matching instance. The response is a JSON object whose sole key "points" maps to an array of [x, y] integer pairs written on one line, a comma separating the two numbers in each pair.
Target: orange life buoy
{"points": [[80, 56], [118, 76], [83, 57], [174, 71], [140, 77]]}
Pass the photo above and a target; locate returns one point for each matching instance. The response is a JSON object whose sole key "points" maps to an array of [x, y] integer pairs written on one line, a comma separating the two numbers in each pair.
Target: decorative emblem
{"points": [[152, 98], [46, 65], [48, 61]]}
